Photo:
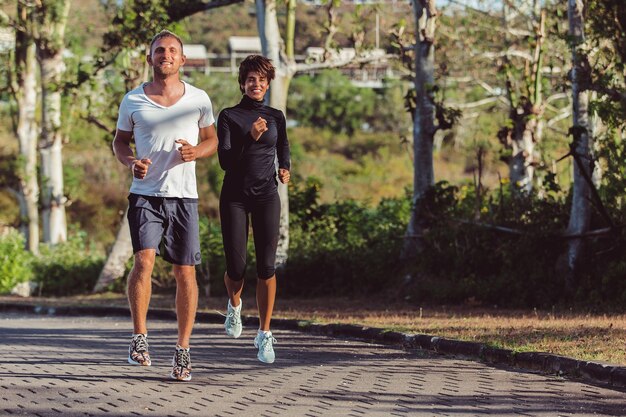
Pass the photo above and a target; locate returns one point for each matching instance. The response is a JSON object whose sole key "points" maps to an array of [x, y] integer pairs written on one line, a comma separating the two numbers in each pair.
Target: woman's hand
{"points": [[258, 128], [283, 175]]}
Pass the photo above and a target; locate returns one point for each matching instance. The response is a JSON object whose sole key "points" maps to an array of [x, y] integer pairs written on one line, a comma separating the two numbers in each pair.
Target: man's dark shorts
{"points": [[168, 225]]}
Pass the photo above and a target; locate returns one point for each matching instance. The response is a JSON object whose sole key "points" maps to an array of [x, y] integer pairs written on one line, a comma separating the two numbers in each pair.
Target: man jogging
{"points": [[172, 125]]}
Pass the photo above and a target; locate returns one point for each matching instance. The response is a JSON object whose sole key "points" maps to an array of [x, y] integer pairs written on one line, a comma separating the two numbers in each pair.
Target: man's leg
{"points": [[140, 289], [186, 301]]}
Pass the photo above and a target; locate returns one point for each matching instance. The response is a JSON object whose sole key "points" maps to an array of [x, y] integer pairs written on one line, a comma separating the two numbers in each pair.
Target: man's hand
{"points": [[139, 167], [187, 151], [258, 128], [283, 175]]}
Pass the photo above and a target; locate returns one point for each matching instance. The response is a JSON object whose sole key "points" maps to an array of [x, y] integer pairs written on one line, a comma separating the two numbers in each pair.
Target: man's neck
{"points": [[165, 85]]}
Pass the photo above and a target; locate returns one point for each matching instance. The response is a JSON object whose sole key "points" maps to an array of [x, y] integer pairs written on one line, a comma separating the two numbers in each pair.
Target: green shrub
{"points": [[344, 247], [67, 268], [15, 261]]}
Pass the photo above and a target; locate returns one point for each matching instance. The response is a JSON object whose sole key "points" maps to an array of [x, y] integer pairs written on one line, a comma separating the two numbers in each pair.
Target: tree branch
{"points": [[473, 104], [502, 54], [180, 10], [343, 62]]}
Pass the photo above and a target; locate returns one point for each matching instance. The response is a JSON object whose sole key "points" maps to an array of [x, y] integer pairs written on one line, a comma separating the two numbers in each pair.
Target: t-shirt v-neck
{"points": [[143, 89]]}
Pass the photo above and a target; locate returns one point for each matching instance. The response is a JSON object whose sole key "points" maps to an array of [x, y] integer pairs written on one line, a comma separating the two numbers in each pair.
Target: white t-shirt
{"points": [[155, 129]]}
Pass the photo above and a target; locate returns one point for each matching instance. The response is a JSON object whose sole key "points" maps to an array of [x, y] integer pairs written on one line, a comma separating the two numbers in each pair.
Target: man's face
{"points": [[166, 56]]}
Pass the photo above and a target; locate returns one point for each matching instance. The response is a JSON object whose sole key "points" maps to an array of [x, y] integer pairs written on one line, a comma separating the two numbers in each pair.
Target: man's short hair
{"points": [[165, 34], [256, 63]]}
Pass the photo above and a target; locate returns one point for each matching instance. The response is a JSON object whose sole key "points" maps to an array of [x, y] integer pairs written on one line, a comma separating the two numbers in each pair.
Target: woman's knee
{"points": [[265, 272], [236, 272]]}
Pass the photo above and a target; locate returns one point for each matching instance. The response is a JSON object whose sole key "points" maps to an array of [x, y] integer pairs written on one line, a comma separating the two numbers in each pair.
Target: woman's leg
{"points": [[234, 223], [265, 224], [265, 297]]}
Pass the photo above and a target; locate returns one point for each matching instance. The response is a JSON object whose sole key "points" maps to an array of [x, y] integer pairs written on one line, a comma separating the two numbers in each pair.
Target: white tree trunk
{"points": [[525, 115], [522, 163], [425, 14], [271, 43], [115, 264], [122, 249], [25, 89], [50, 47], [580, 213]]}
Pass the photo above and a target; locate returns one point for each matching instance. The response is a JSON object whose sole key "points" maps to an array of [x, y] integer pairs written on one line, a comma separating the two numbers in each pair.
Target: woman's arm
{"points": [[282, 145]]}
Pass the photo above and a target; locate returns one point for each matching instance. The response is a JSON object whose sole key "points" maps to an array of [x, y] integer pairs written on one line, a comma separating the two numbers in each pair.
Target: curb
{"points": [[610, 375]]}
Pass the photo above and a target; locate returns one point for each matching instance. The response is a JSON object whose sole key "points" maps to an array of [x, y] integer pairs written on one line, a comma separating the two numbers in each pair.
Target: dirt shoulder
{"points": [[580, 336]]}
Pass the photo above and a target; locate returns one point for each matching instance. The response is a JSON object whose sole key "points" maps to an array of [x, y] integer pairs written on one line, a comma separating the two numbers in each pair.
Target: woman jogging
{"points": [[252, 136]]}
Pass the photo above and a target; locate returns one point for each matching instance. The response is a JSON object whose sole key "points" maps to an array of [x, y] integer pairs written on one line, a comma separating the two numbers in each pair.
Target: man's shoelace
{"points": [[183, 359], [140, 344]]}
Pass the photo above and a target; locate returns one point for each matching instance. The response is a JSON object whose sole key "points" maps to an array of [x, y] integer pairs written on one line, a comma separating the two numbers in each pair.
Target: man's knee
{"points": [[144, 261], [184, 274]]}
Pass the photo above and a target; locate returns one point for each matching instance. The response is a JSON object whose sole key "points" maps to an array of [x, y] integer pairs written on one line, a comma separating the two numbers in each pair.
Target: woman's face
{"points": [[255, 86]]}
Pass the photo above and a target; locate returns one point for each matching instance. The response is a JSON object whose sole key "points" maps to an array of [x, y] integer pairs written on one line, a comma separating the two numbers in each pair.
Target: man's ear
{"points": [[183, 59], [149, 59]]}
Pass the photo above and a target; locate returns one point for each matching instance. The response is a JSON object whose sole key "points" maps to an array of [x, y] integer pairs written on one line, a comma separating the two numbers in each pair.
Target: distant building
{"points": [[7, 39], [240, 47], [196, 59], [366, 74]]}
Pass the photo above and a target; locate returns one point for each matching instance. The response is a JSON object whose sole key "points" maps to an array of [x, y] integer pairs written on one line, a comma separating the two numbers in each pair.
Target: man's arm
{"points": [[122, 149], [124, 154], [206, 147]]}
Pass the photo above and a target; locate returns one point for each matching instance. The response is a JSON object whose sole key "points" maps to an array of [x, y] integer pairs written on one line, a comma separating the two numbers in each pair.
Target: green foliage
{"points": [[223, 89], [330, 100], [341, 248], [15, 261], [67, 268]]}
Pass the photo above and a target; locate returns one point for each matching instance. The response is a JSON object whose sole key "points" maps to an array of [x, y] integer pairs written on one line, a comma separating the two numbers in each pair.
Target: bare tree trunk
{"points": [[52, 20], [122, 249], [580, 213], [120, 253], [24, 86], [526, 111], [271, 41], [425, 14]]}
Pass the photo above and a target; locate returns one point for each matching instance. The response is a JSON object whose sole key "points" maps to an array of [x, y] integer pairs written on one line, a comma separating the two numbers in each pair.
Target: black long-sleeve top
{"points": [[249, 164]]}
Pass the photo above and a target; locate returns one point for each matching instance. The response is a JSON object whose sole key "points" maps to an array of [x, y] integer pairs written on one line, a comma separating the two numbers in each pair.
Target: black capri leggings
{"points": [[265, 214]]}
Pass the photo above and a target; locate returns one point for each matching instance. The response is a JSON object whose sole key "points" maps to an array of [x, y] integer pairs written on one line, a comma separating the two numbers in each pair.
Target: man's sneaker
{"points": [[138, 350], [181, 365], [233, 320], [264, 342]]}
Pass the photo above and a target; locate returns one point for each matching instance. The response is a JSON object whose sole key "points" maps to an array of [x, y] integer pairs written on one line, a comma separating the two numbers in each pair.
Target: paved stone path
{"points": [[71, 366]]}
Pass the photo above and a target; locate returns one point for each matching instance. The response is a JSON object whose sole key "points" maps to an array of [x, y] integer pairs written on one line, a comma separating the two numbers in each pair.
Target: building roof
{"points": [[195, 51], [316, 54], [244, 44], [7, 39]]}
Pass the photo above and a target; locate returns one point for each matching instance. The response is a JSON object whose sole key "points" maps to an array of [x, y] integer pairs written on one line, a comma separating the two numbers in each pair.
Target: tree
{"points": [[281, 51], [526, 107], [132, 26], [580, 213], [425, 15], [24, 87], [51, 19]]}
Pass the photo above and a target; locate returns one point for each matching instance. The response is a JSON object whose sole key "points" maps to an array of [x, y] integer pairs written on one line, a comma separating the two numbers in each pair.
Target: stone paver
{"points": [[70, 366]]}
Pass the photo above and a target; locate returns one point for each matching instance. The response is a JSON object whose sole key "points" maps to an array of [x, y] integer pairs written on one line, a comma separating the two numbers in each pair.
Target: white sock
{"points": [[264, 332], [235, 308], [137, 334]]}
